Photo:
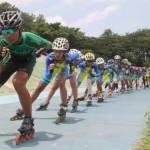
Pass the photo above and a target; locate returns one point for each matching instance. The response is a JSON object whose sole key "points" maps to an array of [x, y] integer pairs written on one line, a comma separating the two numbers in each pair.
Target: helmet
{"points": [[82, 57], [61, 44], [89, 56], [129, 63], [76, 51], [125, 61], [110, 61], [10, 19], [73, 55], [117, 57], [100, 61]]}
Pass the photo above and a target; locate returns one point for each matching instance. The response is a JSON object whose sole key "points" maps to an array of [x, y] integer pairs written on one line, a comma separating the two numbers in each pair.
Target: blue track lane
{"points": [[115, 124]]}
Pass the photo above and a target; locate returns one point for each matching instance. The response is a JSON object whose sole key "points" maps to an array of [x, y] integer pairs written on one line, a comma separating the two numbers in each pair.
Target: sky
{"points": [[91, 16]]}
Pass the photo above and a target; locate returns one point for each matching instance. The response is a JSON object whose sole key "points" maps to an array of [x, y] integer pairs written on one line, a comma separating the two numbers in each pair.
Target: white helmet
{"points": [[100, 61], [125, 61], [11, 19], [61, 44], [117, 57]]}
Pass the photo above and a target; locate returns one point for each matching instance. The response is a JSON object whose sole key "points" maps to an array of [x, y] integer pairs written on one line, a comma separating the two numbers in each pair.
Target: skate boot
{"points": [[116, 86], [89, 101], [95, 94], [69, 98], [18, 116], [61, 114], [122, 90], [117, 90], [110, 93], [100, 97], [146, 86], [129, 89], [74, 106], [26, 131], [82, 98], [42, 107]]}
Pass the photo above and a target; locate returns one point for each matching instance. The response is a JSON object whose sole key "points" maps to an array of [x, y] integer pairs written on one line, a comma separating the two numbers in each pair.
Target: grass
{"points": [[144, 143]]}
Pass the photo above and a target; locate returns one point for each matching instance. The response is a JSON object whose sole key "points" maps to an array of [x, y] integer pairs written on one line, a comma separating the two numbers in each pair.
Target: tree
{"points": [[7, 7], [134, 46]]}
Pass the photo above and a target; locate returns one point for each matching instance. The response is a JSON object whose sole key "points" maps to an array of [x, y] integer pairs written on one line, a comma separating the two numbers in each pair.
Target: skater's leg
{"points": [[75, 92], [100, 91], [110, 89], [63, 106], [74, 86], [63, 91], [52, 90], [89, 87], [19, 81], [40, 87], [122, 86]]}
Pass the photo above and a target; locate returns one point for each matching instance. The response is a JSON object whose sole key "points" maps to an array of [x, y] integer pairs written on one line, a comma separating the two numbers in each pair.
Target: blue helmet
{"points": [[73, 55], [110, 61]]}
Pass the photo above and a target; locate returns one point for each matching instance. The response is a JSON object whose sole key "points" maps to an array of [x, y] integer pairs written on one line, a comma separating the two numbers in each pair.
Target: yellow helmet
{"points": [[89, 56]]}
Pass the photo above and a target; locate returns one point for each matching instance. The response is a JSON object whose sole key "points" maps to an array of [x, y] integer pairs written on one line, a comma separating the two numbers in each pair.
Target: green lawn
{"points": [[144, 143]]}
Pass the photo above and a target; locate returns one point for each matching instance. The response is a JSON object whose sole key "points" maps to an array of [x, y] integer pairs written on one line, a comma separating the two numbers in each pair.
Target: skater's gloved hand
{"points": [[40, 51], [4, 51], [92, 74], [52, 66]]}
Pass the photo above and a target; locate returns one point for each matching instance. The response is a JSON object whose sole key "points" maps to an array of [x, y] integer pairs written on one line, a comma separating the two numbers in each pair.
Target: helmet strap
{"points": [[20, 36]]}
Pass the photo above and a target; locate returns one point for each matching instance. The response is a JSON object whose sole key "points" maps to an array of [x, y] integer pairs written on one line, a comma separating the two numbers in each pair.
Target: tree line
{"points": [[134, 46]]}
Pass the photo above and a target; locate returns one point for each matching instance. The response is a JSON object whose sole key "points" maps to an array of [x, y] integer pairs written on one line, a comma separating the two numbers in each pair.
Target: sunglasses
{"points": [[8, 31]]}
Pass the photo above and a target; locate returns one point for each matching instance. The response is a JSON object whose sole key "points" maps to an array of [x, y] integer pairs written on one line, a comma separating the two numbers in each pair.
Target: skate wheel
{"points": [[110, 94], [27, 137], [16, 118], [100, 100], [19, 139], [81, 99], [59, 120], [43, 109], [73, 111], [31, 135], [89, 104], [12, 119]]}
